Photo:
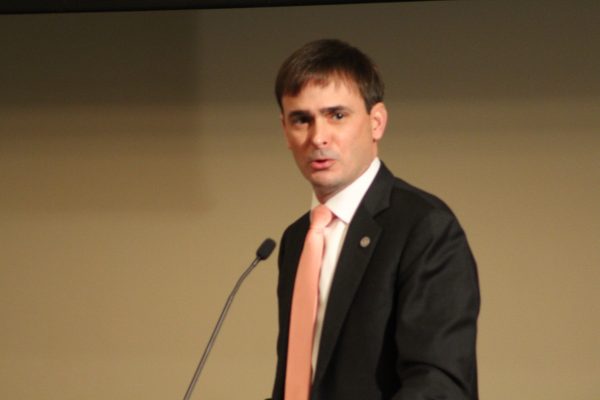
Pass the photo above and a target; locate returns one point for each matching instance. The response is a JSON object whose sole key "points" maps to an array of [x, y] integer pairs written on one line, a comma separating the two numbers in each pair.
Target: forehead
{"points": [[324, 93]]}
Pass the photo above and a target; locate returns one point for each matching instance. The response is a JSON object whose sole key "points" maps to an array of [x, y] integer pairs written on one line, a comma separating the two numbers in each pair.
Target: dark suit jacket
{"points": [[401, 317]]}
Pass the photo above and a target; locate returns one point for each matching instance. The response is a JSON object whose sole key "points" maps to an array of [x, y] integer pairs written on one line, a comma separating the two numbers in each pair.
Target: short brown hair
{"points": [[321, 60]]}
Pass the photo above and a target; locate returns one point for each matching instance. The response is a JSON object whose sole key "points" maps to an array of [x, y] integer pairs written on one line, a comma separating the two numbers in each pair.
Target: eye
{"points": [[300, 119], [338, 115]]}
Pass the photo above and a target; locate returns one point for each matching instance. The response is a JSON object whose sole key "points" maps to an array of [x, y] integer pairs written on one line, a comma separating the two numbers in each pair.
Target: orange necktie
{"points": [[304, 308]]}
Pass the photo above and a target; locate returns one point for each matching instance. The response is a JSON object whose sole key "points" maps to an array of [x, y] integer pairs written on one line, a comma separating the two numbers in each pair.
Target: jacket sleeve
{"points": [[436, 315]]}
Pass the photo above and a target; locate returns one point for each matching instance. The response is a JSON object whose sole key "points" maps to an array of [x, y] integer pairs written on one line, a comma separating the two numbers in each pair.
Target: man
{"points": [[398, 297]]}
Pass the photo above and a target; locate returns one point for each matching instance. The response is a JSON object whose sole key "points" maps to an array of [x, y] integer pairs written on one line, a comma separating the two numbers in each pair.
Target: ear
{"points": [[287, 138], [378, 117], [282, 121]]}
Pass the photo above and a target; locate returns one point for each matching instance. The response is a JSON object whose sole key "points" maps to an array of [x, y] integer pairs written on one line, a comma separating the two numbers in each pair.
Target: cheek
{"points": [[293, 143], [294, 139], [296, 149], [356, 141]]}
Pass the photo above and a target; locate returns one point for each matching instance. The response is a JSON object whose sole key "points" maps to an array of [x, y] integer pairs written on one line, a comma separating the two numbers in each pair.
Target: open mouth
{"points": [[321, 163]]}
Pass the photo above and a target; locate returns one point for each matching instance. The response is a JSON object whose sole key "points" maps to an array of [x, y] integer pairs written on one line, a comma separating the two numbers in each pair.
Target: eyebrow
{"points": [[298, 113], [322, 111], [334, 109]]}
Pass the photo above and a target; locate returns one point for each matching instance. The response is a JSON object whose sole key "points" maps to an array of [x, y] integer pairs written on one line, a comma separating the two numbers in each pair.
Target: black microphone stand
{"points": [[262, 253]]}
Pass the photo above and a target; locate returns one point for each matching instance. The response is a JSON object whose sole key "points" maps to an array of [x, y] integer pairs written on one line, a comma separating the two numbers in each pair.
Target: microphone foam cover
{"points": [[265, 249]]}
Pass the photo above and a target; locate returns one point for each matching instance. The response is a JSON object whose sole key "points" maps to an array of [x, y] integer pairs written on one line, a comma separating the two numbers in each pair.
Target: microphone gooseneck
{"points": [[262, 253]]}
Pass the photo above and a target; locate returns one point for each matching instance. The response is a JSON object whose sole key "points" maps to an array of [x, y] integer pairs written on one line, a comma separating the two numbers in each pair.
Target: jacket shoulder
{"points": [[416, 198], [396, 198]]}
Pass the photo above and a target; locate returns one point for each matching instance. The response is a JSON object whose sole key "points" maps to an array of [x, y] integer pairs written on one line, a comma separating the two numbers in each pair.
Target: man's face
{"points": [[331, 134]]}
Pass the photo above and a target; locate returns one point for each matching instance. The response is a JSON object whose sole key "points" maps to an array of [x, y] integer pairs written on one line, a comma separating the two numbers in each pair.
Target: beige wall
{"points": [[140, 156]]}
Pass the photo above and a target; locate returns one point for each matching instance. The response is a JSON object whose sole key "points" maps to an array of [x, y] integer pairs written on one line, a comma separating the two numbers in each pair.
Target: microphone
{"points": [[262, 253]]}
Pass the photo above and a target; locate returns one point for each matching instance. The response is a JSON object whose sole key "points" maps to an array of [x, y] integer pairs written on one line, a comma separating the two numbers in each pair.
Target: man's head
{"points": [[322, 60], [330, 96]]}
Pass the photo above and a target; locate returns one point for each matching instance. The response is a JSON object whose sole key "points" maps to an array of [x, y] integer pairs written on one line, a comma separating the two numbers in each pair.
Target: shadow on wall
{"points": [[99, 58], [477, 51], [96, 112]]}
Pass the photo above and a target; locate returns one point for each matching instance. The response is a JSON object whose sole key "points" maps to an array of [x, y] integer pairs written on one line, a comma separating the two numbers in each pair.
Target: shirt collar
{"points": [[345, 203]]}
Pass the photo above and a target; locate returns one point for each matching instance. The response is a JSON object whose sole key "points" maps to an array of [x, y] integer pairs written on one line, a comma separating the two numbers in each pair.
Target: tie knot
{"points": [[321, 217]]}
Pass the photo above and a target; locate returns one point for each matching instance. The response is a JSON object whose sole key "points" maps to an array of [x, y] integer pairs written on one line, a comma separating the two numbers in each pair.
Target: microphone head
{"points": [[265, 249]]}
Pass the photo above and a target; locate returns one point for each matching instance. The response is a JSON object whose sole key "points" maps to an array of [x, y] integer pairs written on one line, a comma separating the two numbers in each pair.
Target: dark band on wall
{"points": [[65, 6]]}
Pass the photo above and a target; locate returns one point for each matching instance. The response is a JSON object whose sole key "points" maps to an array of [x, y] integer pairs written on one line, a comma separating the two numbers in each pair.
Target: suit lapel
{"points": [[361, 240]]}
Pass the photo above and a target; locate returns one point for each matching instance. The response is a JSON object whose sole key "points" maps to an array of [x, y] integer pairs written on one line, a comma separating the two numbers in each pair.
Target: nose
{"points": [[320, 135]]}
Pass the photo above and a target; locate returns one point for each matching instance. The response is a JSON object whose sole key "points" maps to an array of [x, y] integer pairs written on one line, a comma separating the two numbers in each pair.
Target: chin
{"points": [[325, 187], [318, 180]]}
